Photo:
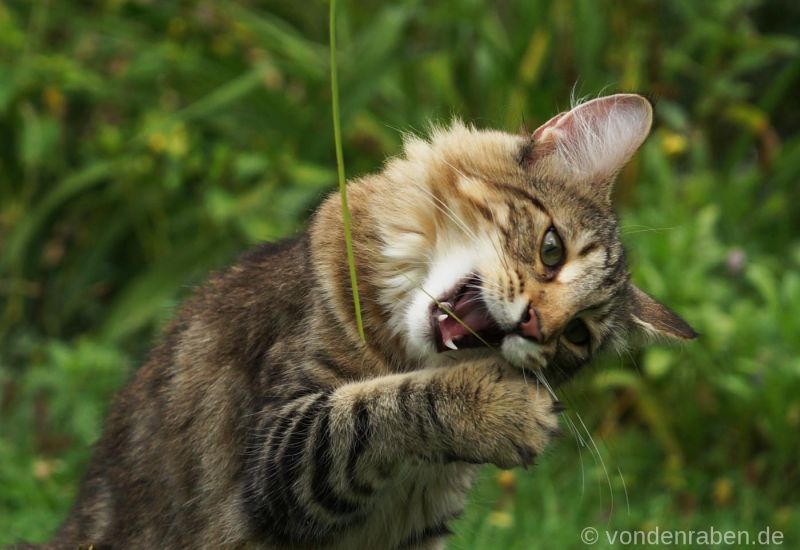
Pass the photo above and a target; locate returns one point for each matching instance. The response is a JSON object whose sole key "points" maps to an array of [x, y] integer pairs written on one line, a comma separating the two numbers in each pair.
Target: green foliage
{"points": [[143, 144], [51, 417]]}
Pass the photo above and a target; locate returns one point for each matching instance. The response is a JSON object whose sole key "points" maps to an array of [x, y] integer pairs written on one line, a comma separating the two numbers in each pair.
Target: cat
{"points": [[490, 270]]}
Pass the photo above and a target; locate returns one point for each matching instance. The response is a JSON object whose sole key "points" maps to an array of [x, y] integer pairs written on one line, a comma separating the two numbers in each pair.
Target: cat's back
{"points": [[174, 437]]}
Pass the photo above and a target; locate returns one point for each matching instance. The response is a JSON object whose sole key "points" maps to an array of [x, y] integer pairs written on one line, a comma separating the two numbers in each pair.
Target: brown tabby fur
{"points": [[262, 421]]}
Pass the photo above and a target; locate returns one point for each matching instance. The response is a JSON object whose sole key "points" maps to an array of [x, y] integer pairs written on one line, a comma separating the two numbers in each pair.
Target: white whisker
{"points": [[581, 443], [540, 376], [602, 464], [625, 488]]}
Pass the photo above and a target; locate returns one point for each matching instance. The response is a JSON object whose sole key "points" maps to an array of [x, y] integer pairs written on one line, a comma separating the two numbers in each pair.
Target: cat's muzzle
{"points": [[461, 320]]}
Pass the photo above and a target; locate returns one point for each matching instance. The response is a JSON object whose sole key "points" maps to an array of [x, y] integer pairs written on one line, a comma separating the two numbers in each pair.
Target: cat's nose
{"points": [[529, 326]]}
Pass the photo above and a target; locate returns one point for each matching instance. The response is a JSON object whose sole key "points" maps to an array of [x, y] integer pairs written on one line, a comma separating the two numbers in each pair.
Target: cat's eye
{"points": [[552, 251], [577, 332]]}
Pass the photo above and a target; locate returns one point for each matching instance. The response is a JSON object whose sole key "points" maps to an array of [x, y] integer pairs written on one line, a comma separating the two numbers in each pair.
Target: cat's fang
{"points": [[442, 317], [449, 343]]}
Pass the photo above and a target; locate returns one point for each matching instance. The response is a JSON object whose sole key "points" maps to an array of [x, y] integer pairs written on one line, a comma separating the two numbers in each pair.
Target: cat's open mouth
{"points": [[464, 305]]}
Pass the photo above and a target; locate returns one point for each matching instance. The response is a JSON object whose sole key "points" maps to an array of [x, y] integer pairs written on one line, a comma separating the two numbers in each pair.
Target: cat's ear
{"points": [[651, 320], [593, 141]]}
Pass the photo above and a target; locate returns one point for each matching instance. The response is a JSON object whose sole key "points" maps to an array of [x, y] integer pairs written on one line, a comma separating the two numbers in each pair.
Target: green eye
{"points": [[577, 332], [552, 250]]}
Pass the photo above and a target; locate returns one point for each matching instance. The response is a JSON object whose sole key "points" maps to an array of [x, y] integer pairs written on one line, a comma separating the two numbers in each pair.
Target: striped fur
{"points": [[262, 421]]}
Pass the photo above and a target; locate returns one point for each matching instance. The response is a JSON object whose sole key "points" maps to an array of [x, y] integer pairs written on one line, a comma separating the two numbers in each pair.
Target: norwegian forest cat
{"points": [[263, 421]]}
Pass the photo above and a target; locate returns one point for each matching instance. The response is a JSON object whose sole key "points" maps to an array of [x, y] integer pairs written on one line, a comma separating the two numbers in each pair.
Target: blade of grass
{"points": [[337, 134]]}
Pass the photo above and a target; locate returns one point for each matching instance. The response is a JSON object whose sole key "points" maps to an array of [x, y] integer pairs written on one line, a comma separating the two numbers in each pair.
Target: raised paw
{"points": [[505, 420]]}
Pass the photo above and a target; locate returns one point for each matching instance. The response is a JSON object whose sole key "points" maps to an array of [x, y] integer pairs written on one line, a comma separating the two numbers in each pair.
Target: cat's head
{"points": [[515, 237]]}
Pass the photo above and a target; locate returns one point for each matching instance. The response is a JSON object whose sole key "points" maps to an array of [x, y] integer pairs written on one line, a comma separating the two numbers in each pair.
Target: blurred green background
{"points": [[145, 143]]}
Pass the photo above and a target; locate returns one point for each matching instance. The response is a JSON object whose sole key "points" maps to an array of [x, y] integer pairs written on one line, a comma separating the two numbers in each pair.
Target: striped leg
{"points": [[324, 456]]}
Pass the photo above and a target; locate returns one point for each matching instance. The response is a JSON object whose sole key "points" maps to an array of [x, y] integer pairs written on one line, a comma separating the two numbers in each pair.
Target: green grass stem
{"points": [[337, 133]]}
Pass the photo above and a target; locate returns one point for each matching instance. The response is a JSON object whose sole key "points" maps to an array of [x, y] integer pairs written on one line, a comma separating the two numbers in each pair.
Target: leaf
{"points": [[40, 135]]}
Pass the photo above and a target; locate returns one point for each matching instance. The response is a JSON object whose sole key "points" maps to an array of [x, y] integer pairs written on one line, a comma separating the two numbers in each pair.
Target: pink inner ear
{"points": [[595, 139], [537, 134]]}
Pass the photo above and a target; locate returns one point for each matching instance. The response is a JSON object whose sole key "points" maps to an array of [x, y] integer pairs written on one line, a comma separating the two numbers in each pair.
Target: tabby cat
{"points": [[490, 270]]}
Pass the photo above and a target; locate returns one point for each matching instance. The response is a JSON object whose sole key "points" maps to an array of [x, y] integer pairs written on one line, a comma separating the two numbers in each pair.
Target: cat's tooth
{"points": [[449, 343], [442, 317], [447, 305]]}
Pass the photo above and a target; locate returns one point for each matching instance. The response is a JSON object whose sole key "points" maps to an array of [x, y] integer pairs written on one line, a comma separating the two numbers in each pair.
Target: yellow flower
{"points": [[44, 469], [157, 142], [673, 143], [507, 480], [178, 141], [501, 519], [723, 491], [174, 142]]}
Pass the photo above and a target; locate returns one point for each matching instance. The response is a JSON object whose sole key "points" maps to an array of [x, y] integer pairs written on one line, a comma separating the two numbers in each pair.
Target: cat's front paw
{"points": [[511, 420]]}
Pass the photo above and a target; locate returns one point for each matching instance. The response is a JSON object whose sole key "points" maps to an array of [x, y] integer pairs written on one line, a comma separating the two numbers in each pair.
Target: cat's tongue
{"points": [[471, 311]]}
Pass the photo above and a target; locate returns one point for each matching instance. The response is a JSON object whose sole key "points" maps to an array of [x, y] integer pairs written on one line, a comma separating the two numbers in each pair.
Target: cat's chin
{"points": [[522, 353]]}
